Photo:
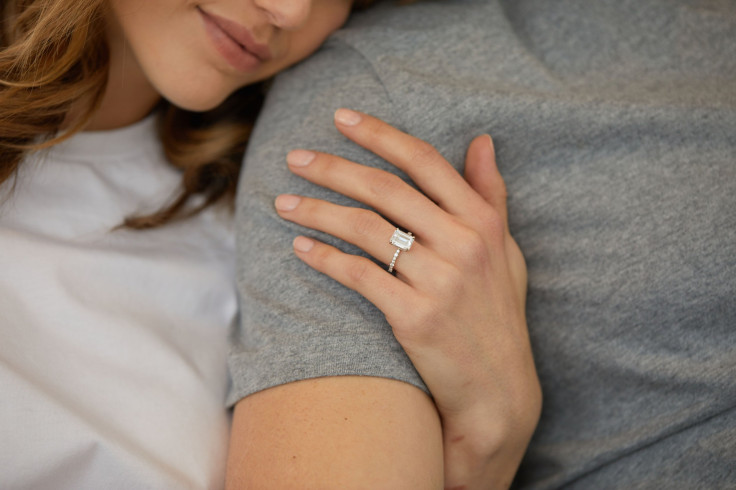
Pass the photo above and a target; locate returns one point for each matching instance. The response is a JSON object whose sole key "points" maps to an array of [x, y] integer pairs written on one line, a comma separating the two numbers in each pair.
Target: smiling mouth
{"points": [[238, 34]]}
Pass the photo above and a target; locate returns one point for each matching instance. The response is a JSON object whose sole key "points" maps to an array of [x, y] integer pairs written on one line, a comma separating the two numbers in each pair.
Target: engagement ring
{"points": [[402, 241]]}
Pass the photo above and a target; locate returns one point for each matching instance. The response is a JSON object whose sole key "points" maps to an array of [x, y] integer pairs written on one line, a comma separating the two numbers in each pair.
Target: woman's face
{"points": [[197, 52]]}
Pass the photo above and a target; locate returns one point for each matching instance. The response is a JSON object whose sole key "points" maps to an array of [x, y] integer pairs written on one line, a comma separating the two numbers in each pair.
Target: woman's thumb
{"points": [[482, 173]]}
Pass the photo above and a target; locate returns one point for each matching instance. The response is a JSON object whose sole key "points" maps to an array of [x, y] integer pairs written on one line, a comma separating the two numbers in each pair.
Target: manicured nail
{"points": [[300, 158], [287, 202], [490, 143], [303, 244], [347, 117], [492, 155]]}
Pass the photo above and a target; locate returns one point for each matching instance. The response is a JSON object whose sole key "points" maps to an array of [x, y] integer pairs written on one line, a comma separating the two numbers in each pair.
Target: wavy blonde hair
{"points": [[54, 59]]}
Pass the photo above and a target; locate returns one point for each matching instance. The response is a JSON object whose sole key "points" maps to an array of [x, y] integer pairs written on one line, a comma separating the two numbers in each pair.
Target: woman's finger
{"points": [[388, 293], [418, 159], [362, 228], [383, 191], [482, 174]]}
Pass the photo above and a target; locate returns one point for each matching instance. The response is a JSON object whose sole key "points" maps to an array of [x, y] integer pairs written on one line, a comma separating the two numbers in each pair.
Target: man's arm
{"points": [[310, 353], [336, 432]]}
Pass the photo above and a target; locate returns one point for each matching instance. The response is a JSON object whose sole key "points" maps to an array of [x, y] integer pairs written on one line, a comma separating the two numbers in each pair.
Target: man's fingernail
{"points": [[303, 244], [300, 158], [286, 202], [347, 117]]}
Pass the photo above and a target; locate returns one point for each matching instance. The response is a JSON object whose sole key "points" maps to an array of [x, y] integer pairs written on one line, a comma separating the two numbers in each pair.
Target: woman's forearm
{"points": [[485, 434], [482, 450]]}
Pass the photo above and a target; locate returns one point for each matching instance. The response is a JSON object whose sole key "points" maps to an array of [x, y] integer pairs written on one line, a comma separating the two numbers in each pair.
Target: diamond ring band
{"points": [[402, 240]]}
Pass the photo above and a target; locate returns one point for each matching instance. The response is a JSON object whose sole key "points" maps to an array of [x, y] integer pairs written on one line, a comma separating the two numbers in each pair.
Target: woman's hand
{"points": [[456, 303]]}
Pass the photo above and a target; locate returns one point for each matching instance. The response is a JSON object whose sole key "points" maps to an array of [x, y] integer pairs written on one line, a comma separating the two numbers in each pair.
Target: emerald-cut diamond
{"points": [[401, 239]]}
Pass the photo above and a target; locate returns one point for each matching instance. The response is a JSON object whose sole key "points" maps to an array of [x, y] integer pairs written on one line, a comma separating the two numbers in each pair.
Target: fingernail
{"points": [[347, 117], [303, 244], [492, 155], [490, 142], [286, 202], [300, 158]]}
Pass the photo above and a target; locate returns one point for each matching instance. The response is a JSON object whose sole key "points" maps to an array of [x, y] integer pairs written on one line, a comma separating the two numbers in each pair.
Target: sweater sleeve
{"points": [[295, 322]]}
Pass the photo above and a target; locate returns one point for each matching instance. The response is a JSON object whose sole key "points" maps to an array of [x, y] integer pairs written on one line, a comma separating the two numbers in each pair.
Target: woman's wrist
{"points": [[484, 445]]}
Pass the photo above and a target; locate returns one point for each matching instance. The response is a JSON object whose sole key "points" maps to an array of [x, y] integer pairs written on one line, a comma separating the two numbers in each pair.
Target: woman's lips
{"points": [[234, 42]]}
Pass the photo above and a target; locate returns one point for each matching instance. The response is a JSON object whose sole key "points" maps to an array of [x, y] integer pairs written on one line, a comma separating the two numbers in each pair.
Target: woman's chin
{"points": [[197, 101], [197, 105]]}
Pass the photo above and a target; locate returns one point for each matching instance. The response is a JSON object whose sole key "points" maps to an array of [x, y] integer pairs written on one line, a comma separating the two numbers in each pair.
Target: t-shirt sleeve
{"points": [[296, 323]]}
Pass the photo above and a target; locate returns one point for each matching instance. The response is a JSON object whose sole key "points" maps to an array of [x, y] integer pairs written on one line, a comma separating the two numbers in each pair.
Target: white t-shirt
{"points": [[112, 343]]}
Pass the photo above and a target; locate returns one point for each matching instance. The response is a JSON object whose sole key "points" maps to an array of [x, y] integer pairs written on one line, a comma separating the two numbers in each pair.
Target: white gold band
{"points": [[393, 261]]}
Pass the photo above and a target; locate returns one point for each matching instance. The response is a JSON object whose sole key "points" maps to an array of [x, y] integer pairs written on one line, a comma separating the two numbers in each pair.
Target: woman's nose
{"points": [[286, 14]]}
